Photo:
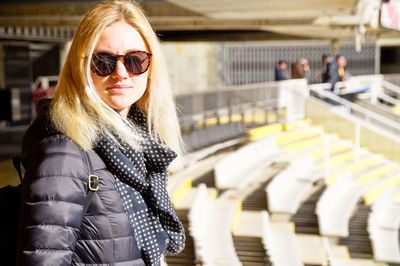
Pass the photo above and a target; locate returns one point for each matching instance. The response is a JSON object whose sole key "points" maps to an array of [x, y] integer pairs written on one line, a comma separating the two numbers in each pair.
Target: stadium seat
{"points": [[288, 188], [210, 226], [336, 205], [383, 227], [281, 246], [238, 168]]}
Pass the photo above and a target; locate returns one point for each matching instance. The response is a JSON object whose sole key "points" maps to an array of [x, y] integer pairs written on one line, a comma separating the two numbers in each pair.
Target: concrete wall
{"points": [[345, 129], [320, 115], [192, 66]]}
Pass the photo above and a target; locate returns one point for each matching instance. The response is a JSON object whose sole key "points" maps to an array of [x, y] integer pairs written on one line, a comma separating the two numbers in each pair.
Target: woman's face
{"points": [[120, 89]]}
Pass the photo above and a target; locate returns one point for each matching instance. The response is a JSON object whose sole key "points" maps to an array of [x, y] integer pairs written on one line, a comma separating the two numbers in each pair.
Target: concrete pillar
{"points": [[192, 66], [335, 45]]}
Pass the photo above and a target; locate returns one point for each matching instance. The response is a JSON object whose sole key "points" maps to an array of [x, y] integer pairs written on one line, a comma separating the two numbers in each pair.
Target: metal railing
{"points": [[254, 62], [359, 115], [329, 139], [392, 78], [44, 82], [33, 33], [288, 96]]}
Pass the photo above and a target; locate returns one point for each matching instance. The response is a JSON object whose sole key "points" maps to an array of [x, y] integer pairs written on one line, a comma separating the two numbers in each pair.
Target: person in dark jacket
{"points": [[338, 72], [112, 109], [280, 69], [327, 65]]}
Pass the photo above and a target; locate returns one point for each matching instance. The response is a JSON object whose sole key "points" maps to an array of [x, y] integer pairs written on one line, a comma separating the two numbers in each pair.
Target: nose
{"points": [[120, 71]]}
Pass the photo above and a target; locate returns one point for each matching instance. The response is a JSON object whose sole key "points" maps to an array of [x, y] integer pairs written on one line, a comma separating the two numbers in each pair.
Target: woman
{"points": [[112, 103]]}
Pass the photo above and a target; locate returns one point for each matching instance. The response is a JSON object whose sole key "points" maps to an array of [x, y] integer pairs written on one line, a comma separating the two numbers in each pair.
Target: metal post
{"points": [[357, 142], [377, 63], [326, 158]]}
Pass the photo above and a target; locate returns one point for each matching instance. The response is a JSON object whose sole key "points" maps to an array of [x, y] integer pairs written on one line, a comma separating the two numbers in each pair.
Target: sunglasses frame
{"points": [[115, 59]]}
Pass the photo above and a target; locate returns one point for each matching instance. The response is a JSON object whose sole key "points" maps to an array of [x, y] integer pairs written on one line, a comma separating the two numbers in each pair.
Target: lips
{"points": [[118, 88]]}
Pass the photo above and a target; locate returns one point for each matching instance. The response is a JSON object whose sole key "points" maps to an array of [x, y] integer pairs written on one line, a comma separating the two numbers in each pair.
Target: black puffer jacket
{"points": [[53, 228]]}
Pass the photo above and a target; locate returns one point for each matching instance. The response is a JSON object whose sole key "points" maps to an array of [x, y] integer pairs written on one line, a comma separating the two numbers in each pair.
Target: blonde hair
{"points": [[78, 111]]}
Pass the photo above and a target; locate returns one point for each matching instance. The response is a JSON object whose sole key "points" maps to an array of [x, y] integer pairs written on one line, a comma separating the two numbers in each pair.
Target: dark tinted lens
{"points": [[103, 64], [137, 62]]}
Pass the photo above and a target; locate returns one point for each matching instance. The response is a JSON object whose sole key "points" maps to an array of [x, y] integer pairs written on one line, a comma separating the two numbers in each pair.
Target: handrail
{"points": [[351, 146], [320, 86], [243, 87], [390, 86], [44, 79], [387, 122], [389, 99]]}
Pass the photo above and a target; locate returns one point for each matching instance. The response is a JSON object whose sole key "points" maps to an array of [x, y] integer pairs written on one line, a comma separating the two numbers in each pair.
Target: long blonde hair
{"points": [[78, 111]]}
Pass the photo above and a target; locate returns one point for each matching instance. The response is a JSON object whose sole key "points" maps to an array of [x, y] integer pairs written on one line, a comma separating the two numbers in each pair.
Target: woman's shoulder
{"points": [[40, 139]]}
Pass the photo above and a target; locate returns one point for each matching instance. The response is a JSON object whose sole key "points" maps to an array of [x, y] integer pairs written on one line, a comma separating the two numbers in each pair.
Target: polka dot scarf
{"points": [[141, 182]]}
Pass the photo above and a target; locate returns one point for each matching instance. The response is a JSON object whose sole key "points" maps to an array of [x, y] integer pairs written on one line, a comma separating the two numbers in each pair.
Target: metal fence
{"points": [[254, 62], [33, 33], [18, 73]]}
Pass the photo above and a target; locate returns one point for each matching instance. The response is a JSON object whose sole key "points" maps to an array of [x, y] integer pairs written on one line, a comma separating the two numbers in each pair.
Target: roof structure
{"points": [[294, 19]]}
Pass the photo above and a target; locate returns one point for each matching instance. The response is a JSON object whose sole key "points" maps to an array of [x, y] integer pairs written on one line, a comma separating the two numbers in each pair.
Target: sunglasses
{"points": [[136, 62]]}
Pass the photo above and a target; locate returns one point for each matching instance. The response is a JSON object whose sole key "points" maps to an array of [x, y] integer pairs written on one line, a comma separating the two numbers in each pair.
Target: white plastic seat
{"points": [[336, 204], [239, 168], [383, 228], [210, 225], [281, 247], [286, 191]]}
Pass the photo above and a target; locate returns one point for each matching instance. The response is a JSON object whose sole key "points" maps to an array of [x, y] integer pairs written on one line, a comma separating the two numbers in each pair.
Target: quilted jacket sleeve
{"points": [[53, 198]]}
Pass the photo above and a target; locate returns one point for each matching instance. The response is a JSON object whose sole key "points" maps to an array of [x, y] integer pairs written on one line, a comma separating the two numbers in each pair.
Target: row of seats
{"points": [[339, 178], [281, 246], [351, 176], [202, 138], [383, 228], [248, 162], [338, 201], [210, 227], [239, 168]]}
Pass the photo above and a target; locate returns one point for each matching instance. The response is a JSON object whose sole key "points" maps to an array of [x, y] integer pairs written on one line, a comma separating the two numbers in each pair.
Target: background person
{"points": [[327, 63], [341, 63], [280, 71], [338, 71], [112, 100], [300, 69]]}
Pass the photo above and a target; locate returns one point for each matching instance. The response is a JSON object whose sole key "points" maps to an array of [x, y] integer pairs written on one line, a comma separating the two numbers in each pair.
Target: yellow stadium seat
{"points": [[181, 191], [236, 215], [295, 136], [396, 108], [374, 193], [319, 154], [354, 168], [300, 145], [374, 174], [338, 159], [265, 131]]}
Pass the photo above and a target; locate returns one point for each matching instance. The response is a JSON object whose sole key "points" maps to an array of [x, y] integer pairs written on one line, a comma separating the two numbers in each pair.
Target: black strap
{"points": [[17, 165], [90, 193]]}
